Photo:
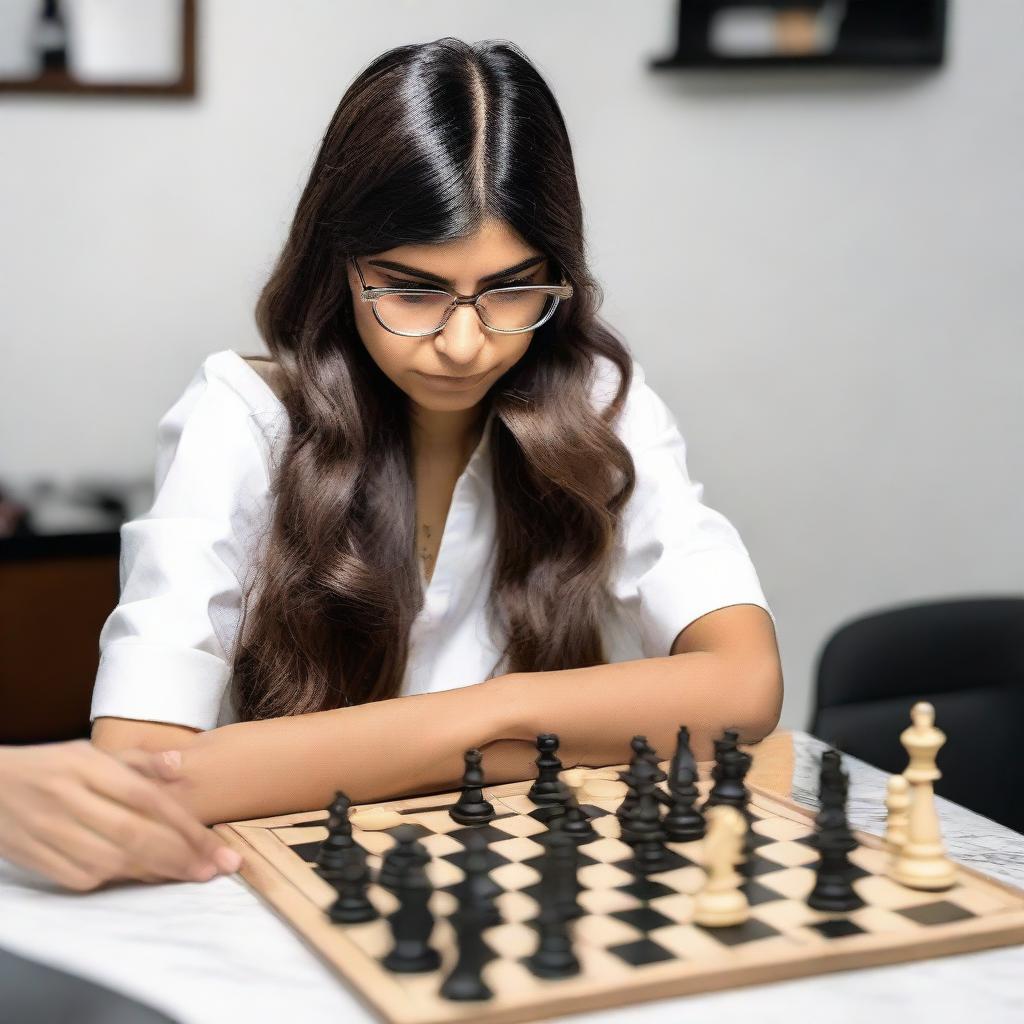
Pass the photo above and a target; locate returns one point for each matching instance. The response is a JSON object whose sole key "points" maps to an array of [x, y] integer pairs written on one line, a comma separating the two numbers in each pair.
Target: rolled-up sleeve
{"points": [[165, 649], [679, 558]]}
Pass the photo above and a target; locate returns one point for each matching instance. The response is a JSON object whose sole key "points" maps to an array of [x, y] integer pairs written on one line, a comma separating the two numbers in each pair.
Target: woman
{"points": [[290, 619]]}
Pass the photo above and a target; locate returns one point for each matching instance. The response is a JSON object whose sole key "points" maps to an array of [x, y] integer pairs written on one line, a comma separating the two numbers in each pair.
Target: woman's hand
{"points": [[83, 818]]}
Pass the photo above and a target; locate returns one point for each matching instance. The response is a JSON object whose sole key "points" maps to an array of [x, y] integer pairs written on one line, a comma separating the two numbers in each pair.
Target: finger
{"points": [[141, 844], [42, 858], [112, 779]]}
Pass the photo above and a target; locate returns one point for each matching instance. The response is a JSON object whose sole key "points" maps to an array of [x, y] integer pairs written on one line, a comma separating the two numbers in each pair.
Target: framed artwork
{"points": [[115, 47], [807, 33]]}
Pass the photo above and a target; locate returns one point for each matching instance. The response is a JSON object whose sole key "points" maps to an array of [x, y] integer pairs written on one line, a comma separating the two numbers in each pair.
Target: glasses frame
{"points": [[371, 295]]}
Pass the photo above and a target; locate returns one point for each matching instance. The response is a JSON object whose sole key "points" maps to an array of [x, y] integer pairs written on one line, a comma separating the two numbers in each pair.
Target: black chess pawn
{"points": [[833, 888], [575, 823], [476, 912], [477, 886], [560, 870], [339, 834], [642, 829], [350, 880], [731, 766], [406, 853], [554, 956], [548, 788], [412, 924], [472, 808]]}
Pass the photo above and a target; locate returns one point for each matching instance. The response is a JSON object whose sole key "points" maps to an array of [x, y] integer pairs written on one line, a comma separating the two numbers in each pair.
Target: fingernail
{"points": [[227, 860], [172, 758]]}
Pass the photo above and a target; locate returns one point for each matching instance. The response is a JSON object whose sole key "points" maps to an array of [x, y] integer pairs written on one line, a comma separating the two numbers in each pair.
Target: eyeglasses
{"points": [[416, 312]]}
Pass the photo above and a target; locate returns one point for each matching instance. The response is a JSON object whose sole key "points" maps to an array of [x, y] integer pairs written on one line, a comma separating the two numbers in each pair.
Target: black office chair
{"points": [[964, 656]]}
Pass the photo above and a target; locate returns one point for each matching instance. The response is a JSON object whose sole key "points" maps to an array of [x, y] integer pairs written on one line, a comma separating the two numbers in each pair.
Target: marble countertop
{"points": [[204, 953]]}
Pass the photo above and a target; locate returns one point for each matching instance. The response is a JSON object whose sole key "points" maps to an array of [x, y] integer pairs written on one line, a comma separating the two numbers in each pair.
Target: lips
{"points": [[469, 379]]}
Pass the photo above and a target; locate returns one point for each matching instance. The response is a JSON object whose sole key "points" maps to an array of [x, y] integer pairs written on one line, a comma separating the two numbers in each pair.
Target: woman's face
{"points": [[465, 347]]}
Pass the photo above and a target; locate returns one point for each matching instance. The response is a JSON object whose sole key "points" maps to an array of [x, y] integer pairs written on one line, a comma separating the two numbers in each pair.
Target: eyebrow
{"points": [[427, 276]]}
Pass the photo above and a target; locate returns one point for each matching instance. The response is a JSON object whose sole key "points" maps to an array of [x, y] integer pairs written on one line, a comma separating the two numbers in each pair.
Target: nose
{"points": [[462, 336]]}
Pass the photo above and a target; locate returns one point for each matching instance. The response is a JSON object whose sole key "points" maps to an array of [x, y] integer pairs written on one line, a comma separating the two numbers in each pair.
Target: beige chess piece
{"points": [[720, 902], [921, 862], [897, 803]]}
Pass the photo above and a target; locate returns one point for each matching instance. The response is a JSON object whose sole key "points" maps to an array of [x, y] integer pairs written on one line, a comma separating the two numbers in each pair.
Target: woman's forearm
{"points": [[597, 710], [412, 745], [373, 752]]}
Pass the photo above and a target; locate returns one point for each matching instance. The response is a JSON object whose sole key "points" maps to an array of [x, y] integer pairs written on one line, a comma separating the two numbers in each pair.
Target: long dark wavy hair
{"points": [[428, 141]]}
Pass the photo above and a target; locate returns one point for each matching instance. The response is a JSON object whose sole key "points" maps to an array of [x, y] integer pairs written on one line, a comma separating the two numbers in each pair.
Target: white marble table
{"points": [[210, 953]]}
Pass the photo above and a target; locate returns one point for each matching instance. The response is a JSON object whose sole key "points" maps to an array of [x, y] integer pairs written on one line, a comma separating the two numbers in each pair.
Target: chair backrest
{"points": [[965, 656]]}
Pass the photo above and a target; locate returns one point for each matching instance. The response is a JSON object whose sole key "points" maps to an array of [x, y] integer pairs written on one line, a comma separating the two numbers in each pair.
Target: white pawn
{"points": [[897, 803], [921, 862], [721, 903]]}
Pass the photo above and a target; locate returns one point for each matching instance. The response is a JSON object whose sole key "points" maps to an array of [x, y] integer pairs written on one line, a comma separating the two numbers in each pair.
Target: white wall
{"points": [[839, 326]]}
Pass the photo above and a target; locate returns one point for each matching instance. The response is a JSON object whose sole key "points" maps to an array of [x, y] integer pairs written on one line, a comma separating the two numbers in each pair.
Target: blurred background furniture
{"points": [[56, 590], [964, 656]]}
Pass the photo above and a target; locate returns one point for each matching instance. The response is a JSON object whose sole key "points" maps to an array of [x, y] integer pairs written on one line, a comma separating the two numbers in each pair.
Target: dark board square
{"points": [[537, 861], [750, 931], [647, 889], [593, 812], [546, 812], [642, 952], [755, 840], [760, 866], [307, 851], [489, 833], [757, 893], [644, 918], [671, 862], [421, 830], [493, 858], [942, 912], [837, 928]]}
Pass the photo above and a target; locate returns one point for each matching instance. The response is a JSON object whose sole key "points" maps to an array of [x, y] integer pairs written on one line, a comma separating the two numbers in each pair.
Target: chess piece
{"points": [[477, 887], [897, 805], [339, 835], [641, 825], [730, 768], [476, 911], [412, 924], [576, 824], [683, 823], [833, 889], [472, 808], [554, 956], [559, 881], [548, 788], [406, 853], [721, 903], [350, 880], [921, 862]]}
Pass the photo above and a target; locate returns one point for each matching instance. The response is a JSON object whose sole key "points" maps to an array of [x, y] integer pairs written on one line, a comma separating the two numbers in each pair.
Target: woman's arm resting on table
{"points": [[725, 672]]}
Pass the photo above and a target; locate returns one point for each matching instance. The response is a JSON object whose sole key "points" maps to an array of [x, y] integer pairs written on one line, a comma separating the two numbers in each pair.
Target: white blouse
{"points": [[165, 650]]}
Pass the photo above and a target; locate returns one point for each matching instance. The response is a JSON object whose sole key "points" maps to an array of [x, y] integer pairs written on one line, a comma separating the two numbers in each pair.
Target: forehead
{"points": [[494, 238]]}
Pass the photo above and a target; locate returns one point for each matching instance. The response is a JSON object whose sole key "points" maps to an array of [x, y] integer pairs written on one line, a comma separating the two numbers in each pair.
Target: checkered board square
{"points": [[636, 940]]}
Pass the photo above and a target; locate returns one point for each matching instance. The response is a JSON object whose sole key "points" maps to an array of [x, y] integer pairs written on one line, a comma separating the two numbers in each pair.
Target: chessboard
{"points": [[636, 940]]}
